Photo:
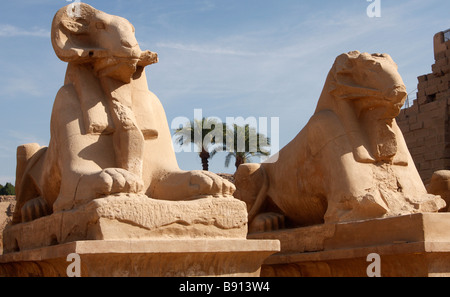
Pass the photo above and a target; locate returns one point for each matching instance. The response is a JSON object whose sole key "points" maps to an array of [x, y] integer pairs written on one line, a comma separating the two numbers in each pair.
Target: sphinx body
{"points": [[109, 133], [350, 162]]}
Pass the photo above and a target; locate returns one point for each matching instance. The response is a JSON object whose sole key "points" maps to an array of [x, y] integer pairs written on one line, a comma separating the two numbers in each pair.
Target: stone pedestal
{"points": [[133, 235], [131, 217], [144, 258], [409, 246]]}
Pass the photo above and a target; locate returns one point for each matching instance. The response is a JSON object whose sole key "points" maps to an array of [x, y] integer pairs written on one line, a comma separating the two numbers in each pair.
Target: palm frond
{"points": [[228, 159]]}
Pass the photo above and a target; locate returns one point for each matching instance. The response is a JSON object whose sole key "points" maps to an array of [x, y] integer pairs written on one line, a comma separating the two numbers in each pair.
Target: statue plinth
{"points": [[409, 246], [132, 216], [133, 235], [144, 258]]}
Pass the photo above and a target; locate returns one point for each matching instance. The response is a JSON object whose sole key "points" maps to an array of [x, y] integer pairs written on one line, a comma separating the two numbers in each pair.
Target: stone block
{"points": [[431, 76], [412, 119], [423, 85], [445, 69], [422, 78], [444, 86], [144, 258], [408, 246], [430, 106], [426, 165], [416, 126], [434, 82], [440, 55], [446, 77], [133, 235], [132, 216], [442, 62], [421, 92], [431, 90], [422, 99]]}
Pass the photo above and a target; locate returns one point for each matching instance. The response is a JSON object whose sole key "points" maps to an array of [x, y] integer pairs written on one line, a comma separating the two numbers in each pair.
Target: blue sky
{"points": [[249, 58]]}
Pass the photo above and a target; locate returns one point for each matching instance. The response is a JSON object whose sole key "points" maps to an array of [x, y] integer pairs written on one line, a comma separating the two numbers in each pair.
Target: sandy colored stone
{"points": [[416, 245], [349, 163], [397, 260], [4, 214], [145, 258], [109, 133], [440, 185], [439, 44], [132, 216], [110, 150], [7, 204], [429, 227]]}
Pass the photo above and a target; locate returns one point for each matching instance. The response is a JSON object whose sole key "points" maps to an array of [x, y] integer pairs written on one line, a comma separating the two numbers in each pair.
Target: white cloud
{"points": [[275, 69], [21, 137], [206, 49], [16, 87], [207, 5], [13, 31]]}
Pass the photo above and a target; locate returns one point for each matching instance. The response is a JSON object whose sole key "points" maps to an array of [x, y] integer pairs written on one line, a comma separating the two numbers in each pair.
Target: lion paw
{"points": [[117, 180], [206, 183], [34, 209], [188, 185], [106, 182], [266, 222]]}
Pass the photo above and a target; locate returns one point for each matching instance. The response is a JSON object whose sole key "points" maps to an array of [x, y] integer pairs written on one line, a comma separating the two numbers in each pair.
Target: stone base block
{"points": [[131, 216], [144, 258], [409, 246]]}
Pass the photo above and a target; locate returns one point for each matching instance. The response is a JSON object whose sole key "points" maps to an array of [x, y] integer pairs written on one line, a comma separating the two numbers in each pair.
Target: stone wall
{"points": [[425, 123]]}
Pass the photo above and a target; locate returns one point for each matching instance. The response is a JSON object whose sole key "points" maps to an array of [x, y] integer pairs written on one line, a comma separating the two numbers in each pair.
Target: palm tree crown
{"points": [[210, 136], [244, 144], [203, 134]]}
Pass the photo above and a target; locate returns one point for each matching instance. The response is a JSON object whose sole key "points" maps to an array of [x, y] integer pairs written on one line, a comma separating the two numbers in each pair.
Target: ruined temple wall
{"points": [[425, 124], [425, 128]]}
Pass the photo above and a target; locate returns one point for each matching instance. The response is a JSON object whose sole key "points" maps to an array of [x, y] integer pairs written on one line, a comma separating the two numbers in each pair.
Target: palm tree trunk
{"points": [[204, 155], [239, 161]]}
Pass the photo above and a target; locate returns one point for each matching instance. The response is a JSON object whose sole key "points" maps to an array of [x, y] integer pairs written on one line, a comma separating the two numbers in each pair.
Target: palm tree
{"points": [[247, 143], [204, 135]]}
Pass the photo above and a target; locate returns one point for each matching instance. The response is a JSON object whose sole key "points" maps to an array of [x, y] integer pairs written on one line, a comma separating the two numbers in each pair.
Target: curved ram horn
{"points": [[69, 34]]}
